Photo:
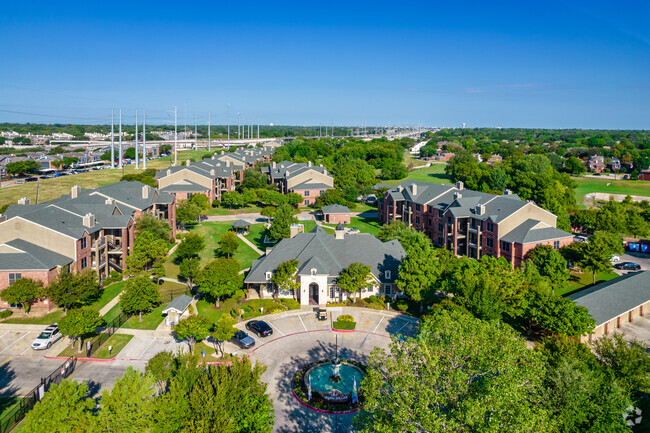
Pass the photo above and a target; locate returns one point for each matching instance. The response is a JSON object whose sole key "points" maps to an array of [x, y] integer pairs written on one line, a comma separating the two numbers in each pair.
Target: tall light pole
{"points": [[208, 131], [112, 138], [119, 165], [258, 126], [228, 122], [238, 125], [144, 139], [175, 136], [196, 137], [137, 150]]}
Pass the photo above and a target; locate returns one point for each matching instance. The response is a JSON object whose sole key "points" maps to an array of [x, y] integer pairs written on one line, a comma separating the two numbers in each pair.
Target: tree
{"points": [[231, 198], [160, 368], [282, 220], [159, 228], [355, 278], [187, 212], [201, 202], [460, 374], [558, 315], [627, 360], [129, 405], [574, 166], [410, 238], [248, 196], [64, 408], [294, 199], [268, 212], [419, 273], [191, 245], [551, 264], [78, 323], [23, 291], [228, 243], [72, 290], [597, 252], [254, 179], [22, 167], [193, 329], [219, 278], [165, 149], [140, 295], [148, 255], [224, 330], [189, 269], [285, 277]]}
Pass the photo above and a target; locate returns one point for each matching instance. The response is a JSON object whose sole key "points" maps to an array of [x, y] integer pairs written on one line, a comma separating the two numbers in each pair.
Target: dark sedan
{"points": [[628, 266], [244, 340], [259, 327]]}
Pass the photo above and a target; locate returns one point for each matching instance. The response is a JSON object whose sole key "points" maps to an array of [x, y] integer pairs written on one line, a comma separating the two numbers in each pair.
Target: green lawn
{"points": [[149, 321], [256, 236], [48, 319], [587, 185], [7, 404], [582, 280], [109, 293], [434, 173], [212, 232], [117, 341], [366, 225], [411, 159], [347, 326], [236, 210], [208, 310]]}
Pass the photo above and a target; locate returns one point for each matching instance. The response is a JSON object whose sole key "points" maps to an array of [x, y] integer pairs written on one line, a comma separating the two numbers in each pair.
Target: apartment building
{"points": [[211, 176], [308, 180], [321, 258], [472, 223], [87, 229]]}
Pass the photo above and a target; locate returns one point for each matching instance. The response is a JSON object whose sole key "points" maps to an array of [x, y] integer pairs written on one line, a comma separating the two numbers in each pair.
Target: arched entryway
{"points": [[313, 293]]}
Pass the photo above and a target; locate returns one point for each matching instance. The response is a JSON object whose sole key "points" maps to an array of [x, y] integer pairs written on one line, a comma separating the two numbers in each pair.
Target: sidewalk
{"points": [[250, 244]]}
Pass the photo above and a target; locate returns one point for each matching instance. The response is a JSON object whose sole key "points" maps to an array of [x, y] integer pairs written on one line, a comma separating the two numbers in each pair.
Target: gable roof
{"points": [[610, 299], [179, 304], [335, 209], [20, 255], [531, 231]]}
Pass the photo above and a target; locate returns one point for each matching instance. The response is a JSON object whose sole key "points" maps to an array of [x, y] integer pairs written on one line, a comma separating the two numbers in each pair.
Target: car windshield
{"points": [[44, 335]]}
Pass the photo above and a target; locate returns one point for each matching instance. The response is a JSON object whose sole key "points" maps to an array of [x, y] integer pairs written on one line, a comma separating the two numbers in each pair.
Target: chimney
{"points": [[212, 172], [414, 189], [325, 172], [187, 163], [400, 188], [339, 233], [109, 201], [308, 163], [213, 157], [273, 165], [287, 173], [460, 184], [23, 200], [221, 153], [74, 192], [507, 192], [480, 209], [169, 172], [228, 163], [457, 195], [145, 191], [294, 229], [88, 220]]}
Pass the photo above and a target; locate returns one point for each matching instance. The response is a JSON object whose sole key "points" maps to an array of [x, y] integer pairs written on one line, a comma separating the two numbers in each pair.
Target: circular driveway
{"points": [[298, 338]]}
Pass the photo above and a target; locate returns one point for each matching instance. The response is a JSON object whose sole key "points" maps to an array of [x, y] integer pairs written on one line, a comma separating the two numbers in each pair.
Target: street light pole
{"points": [[175, 136], [112, 138], [144, 139], [137, 150], [120, 139], [208, 131], [238, 125], [228, 122]]}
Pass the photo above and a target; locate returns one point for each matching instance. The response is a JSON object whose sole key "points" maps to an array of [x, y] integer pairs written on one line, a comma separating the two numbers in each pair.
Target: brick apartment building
{"points": [[87, 229], [302, 178], [472, 223]]}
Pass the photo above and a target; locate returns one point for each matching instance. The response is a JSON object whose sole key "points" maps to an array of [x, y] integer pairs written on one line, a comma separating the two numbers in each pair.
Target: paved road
{"points": [[258, 218], [640, 258]]}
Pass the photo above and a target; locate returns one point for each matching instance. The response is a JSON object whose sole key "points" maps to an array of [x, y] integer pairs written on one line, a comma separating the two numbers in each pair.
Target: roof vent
{"points": [[457, 195], [480, 209], [74, 192], [23, 200], [109, 201], [88, 220], [507, 192], [308, 163], [213, 157], [212, 172], [187, 163], [460, 184], [228, 163], [145, 191], [169, 172]]}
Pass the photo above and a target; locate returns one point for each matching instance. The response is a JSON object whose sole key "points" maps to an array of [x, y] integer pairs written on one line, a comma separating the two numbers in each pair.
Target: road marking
{"points": [[303, 323], [7, 361], [382, 319], [397, 332], [29, 348], [148, 346], [274, 327], [4, 334], [26, 334]]}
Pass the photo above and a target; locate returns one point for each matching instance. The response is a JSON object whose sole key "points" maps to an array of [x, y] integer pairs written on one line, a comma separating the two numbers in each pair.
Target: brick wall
{"points": [[45, 276], [337, 218]]}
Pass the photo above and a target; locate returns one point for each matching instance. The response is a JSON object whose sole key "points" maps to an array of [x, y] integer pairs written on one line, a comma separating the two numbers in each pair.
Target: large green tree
{"points": [[551, 264], [355, 278], [189, 269], [224, 330], [285, 276], [159, 228], [193, 329], [191, 246], [72, 290], [420, 271], [65, 408], [79, 323], [220, 278], [228, 243], [148, 255], [598, 251], [282, 220], [23, 291], [140, 295]]}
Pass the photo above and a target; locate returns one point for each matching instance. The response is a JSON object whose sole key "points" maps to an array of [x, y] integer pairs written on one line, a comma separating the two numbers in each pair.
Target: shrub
{"points": [[6, 313], [190, 309], [402, 305], [373, 299], [345, 318]]}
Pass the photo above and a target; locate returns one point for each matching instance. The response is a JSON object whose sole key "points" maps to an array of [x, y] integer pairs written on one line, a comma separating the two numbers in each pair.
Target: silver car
{"points": [[47, 338]]}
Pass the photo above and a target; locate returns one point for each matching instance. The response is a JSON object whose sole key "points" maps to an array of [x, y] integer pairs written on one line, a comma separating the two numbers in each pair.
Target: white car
{"points": [[614, 259], [47, 338]]}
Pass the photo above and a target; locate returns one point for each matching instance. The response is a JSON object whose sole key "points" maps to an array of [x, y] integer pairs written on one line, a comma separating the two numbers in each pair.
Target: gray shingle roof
{"points": [[179, 303], [21, 255], [531, 231], [335, 209], [610, 299], [332, 255], [308, 185], [240, 224], [184, 186]]}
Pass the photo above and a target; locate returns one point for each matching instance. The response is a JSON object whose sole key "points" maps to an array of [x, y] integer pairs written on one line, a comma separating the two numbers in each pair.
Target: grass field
{"points": [[435, 173], [366, 225], [579, 281], [588, 185], [212, 232], [117, 341]]}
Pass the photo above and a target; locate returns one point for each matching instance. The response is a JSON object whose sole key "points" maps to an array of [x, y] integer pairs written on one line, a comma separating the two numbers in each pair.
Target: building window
{"points": [[14, 277], [83, 243], [440, 227], [440, 213], [417, 208], [84, 263], [313, 272], [439, 241], [556, 245], [429, 221], [306, 202], [387, 289], [489, 242], [306, 193], [488, 226], [332, 292], [387, 275], [417, 220], [449, 220], [505, 246], [268, 276]]}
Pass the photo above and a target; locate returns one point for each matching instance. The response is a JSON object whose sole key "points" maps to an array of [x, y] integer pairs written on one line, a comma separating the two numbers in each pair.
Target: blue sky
{"points": [[509, 64]]}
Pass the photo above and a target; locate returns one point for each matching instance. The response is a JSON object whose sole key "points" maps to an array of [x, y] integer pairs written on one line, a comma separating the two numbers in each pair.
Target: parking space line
{"points": [[397, 332], [382, 319], [303, 323], [4, 334], [25, 350], [274, 327], [148, 346], [26, 334]]}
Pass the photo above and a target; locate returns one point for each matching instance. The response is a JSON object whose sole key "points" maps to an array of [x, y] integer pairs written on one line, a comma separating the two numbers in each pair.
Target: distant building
{"points": [[614, 164], [308, 180], [596, 164], [615, 302], [336, 214], [321, 258], [644, 175], [472, 223]]}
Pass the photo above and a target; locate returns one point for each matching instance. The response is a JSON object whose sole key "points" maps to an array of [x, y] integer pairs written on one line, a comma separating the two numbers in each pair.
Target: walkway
{"points": [[250, 244], [106, 308]]}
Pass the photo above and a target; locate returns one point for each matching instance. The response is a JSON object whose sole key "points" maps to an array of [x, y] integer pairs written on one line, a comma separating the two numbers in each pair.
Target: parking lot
{"points": [[641, 259], [17, 343]]}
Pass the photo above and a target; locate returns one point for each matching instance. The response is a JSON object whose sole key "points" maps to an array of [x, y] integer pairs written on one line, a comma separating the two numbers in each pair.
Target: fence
{"points": [[26, 403], [94, 344]]}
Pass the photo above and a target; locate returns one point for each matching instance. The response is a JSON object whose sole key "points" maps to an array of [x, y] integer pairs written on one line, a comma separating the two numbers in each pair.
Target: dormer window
{"points": [[387, 275], [313, 272], [268, 276]]}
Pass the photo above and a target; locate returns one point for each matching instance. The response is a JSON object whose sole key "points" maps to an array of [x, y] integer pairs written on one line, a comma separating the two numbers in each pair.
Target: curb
{"points": [[343, 330], [81, 359]]}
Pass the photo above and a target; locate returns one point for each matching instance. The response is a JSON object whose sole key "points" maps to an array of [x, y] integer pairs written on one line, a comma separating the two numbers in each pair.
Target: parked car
{"points": [[243, 340], [628, 266], [581, 239], [47, 338], [614, 259], [31, 179], [261, 328]]}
